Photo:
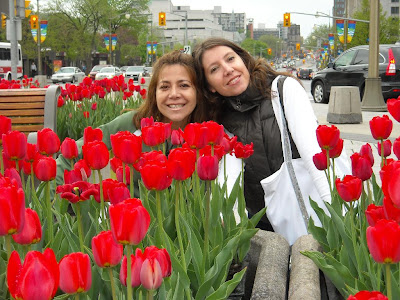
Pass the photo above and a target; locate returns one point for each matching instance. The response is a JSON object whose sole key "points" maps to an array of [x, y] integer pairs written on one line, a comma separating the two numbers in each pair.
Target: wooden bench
{"points": [[31, 110]]}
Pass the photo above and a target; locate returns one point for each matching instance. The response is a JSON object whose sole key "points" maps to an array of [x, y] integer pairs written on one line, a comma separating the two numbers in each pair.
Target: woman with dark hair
{"points": [[172, 96], [244, 96]]}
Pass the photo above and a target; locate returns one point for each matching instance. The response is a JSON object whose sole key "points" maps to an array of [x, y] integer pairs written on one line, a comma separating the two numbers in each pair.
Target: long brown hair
{"points": [[261, 73], [149, 107]]}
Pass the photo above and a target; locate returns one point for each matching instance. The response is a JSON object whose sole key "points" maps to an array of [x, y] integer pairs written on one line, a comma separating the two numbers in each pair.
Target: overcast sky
{"points": [[269, 12]]}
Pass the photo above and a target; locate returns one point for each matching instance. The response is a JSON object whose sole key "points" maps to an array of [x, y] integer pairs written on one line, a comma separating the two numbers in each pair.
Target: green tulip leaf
{"points": [[227, 287]]}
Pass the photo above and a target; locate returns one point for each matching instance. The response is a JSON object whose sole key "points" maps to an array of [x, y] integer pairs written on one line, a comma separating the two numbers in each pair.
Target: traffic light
{"points": [[298, 46], [3, 20], [161, 19], [286, 20], [269, 51], [34, 22]]}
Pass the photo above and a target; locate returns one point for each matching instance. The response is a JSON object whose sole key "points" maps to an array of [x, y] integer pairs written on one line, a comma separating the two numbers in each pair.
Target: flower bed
{"points": [[180, 238], [360, 246]]}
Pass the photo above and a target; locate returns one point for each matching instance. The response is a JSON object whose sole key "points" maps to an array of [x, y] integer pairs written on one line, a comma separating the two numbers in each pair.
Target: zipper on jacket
{"points": [[238, 104]]}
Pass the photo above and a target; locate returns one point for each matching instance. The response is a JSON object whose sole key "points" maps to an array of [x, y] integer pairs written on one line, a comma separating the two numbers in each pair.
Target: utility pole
{"points": [[13, 39], [39, 66]]}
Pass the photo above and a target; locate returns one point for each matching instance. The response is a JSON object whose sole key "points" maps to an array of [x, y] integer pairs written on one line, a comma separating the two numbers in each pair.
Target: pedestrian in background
{"points": [[33, 69], [243, 93]]}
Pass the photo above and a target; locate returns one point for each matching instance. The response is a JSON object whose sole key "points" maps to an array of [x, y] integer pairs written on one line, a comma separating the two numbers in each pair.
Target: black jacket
{"points": [[251, 118]]}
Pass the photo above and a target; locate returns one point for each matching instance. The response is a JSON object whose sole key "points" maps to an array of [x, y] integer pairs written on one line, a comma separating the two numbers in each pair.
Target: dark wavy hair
{"points": [[261, 73], [149, 107]]}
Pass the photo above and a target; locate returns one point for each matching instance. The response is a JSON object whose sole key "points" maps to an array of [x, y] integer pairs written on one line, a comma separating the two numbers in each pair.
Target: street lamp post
{"points": [[127, 16]]}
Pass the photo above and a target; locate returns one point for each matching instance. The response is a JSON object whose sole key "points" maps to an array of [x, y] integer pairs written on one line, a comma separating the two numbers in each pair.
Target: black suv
{"points": [[351, 69]]}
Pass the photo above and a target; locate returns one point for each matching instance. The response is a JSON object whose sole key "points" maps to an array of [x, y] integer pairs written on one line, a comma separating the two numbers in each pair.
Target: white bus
{"points": [[5, 61]]}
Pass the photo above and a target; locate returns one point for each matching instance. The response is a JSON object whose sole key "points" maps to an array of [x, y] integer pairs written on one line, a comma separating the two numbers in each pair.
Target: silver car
{"points": [[68, 74], [108, 72], [134, 72]]}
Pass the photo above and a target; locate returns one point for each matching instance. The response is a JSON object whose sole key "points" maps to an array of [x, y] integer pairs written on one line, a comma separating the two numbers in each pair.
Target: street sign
{"points": [[187, 49]]}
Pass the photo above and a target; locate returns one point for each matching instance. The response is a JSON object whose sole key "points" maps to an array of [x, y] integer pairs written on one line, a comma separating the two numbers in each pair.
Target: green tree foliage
{"points": [[255, 46], [388, 27], [318, 35]]}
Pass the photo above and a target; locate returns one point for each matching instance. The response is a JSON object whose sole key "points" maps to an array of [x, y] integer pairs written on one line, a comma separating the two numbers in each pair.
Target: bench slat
{"points": [[28, 120], [32, 112], [21, 106], [23, 92], [27, 128], [22, 99]]}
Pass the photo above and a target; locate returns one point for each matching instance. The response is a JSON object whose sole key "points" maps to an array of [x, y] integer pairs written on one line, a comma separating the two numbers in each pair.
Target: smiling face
{"points": [[225, 71], [175, 95]]}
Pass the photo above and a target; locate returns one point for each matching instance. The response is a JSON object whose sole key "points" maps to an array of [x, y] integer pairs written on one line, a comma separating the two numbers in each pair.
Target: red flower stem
{"points": [[8, 245], [124, 174], [33, 191], [206, 226], [80, 230], [382, 154], [178, 229], [354, 240], [110, 274], [131, 186], [149, 295], [129, 272], [71, 161], [160, 218], [388, 282], [49, 213], [77, 297], [102, 208]]}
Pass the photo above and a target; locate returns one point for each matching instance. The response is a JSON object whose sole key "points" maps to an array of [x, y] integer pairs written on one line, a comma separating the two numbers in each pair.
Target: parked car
{"points": [[147, 72], [351, 69], [108, 72], [123, 69], [96, 69], [68, 74], [305, 73], [134, 72]]}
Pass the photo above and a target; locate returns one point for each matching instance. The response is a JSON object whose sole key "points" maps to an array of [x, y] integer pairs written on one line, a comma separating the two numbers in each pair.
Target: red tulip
{"points": [[75, 273], [91, 135], [162, 256], [215, 132], [155, 175], [14, 145], [367, 295], [83, 167], [177, 137], [337, 150], [13, 174], [31, 233], [396, 147], [243, 151], [45, 167], [207, 167], [136, 266], [106, 251], [96, 154], [120, 175], [219, 151], [350, 188], [366, 152], [156, 134], [383, 241], [77, 191], [320, 161], [48, 141], [391, 211], [69, 149], [381, 127], [115, 163], [31, 151], [228, 143], [12, 207], [361, 166], [393, 106], [117, 192], [387, 148], [195, 135], [327, 136], [129, 221], [126, 146], [94, 106], [144, 122], [181, 163], [374, 214], [5, 126], [37, 278], [150, 274], [151, 156]]}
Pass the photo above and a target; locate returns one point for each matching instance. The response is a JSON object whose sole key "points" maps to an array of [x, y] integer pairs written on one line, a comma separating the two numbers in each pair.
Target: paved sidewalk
{"points": [[356, 135]]}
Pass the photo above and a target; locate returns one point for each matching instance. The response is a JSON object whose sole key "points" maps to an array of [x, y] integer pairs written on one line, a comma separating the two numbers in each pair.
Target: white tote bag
{"points": [[287, 191]]}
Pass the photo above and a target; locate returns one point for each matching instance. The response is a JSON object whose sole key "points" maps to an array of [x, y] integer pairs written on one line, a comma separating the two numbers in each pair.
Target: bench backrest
{"points": [[30, 110]]}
